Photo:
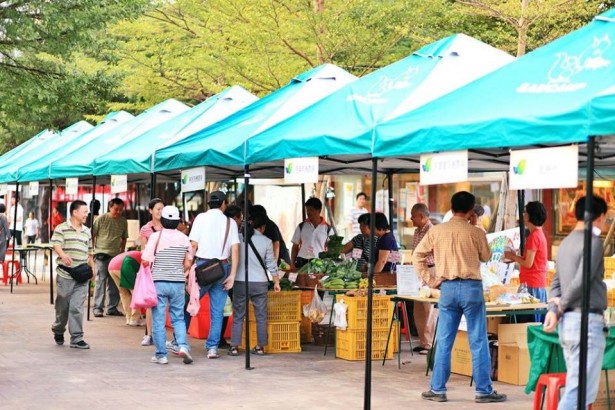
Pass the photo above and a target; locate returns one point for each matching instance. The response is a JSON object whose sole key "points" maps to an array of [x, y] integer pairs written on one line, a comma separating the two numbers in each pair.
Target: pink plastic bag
{"points": [[144, 293]]}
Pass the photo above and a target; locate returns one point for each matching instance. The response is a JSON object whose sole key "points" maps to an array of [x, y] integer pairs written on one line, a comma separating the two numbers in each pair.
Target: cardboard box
{"points": [[513, 364], [513, 354], [601, 402], [493, 322], [461, 357]]}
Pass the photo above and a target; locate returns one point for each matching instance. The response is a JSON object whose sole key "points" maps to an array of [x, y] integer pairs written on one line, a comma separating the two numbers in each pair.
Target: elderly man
{"points": [[425, 315], [109, 234], [458, 249]]}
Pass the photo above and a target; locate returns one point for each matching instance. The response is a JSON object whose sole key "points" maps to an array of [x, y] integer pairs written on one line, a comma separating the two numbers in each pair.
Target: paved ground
{"points": [[116, 372]]}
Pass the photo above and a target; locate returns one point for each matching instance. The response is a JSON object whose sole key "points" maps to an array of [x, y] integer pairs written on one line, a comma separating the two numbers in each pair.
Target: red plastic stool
{"points": [[401, 306], [6, 268], [552, 383]]}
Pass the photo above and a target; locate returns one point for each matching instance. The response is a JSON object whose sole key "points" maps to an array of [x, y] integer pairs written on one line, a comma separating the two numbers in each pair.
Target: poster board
{"points": [[408, 282], [495, 271]]}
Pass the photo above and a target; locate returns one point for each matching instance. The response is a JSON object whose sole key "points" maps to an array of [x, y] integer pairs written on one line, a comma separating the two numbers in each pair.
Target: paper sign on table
{"points": [[408, 282]]}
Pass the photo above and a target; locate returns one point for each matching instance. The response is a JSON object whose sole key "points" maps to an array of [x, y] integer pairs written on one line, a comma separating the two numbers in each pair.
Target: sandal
{"points": [[233, 351], [258, 350]]}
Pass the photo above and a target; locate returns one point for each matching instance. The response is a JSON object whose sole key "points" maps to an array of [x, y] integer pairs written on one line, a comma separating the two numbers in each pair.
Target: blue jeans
{"points": [[217, 300], [462, 297], [173, 293], [569, 337]]}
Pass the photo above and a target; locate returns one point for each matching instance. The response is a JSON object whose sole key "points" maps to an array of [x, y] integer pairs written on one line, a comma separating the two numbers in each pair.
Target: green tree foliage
{"points": [[191, 49], [42, 87]]}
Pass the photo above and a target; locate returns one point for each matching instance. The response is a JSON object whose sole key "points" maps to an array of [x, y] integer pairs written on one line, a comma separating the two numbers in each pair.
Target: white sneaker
{"points": [[170, 345], [185, 353], [212, 353], [160, 360], [147, 340], [136, 322]]}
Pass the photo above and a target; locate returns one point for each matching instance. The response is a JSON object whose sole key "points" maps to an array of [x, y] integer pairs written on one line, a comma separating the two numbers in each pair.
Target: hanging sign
{"points": [[3, 189], [301, 170], [193, 179], [119, 183], [444, 167], [541, 168], [72, 186], [33, 188]]}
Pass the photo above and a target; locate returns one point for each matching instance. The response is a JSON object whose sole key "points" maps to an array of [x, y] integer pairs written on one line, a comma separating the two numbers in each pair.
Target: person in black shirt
{"points": [[280, 251]]}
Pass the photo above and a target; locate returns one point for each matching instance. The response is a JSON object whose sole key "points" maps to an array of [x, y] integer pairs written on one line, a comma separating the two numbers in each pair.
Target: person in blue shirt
{"points": [[386, 243]]}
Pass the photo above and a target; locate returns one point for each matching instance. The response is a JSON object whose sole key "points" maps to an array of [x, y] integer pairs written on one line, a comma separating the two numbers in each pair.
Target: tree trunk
{"points": [[522, 29], [319, 7]]}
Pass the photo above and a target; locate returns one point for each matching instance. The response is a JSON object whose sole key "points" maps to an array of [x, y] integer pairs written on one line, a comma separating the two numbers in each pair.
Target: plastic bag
{"points": [[144, 294], [316, 309], [340, 309]]}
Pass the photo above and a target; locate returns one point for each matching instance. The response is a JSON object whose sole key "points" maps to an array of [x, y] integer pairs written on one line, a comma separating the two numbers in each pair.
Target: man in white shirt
{"points": [[208, 240], [16, 225], [310, 237], [355, 213]]}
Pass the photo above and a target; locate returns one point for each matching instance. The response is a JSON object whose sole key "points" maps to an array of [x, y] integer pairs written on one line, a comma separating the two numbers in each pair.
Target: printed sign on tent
{"points": [[193, 179], [301, 170], [72, 186], [444, 167], [3, 189], [544, 168], [119, 183], [33, 188]]}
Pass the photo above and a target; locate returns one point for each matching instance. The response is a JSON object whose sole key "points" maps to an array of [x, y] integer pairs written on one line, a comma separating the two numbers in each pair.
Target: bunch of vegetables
{"points": [[317, 265], [334, 248], [345, 276]]}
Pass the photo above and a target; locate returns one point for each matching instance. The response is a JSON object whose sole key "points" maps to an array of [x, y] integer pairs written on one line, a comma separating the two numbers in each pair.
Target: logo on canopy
{"points": [[378, 92], [561, 75]]}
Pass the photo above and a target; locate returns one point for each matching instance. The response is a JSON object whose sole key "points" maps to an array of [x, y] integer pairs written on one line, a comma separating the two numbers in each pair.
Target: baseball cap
{"points": [[171, 213], [217, 196]]}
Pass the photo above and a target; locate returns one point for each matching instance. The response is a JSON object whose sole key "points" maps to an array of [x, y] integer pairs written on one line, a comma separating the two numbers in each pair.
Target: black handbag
{"points": [[80, 274], [212, 270]]}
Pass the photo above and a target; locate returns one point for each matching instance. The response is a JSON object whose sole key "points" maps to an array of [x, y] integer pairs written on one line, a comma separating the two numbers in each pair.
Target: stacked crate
{"points": [[350, 344], [283, 322], [609, 268]]}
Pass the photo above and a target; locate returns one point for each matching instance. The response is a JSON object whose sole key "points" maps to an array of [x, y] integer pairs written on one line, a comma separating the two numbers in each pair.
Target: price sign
{"points": [[292, 277], [393, 257], [357, 253]]}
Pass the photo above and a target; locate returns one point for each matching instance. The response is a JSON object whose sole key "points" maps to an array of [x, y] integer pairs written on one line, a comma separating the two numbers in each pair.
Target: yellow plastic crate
{"points": [[283, 337], [609, 267], [282, 306], [350, 344], [611, 298], [382, 310]]}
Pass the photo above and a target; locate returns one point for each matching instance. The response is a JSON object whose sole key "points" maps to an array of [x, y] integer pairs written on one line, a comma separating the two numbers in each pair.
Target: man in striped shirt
{"points": [[72, 242]]}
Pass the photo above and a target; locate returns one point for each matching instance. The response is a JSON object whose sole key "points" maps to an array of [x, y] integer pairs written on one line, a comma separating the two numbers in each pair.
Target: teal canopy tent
{"points": [[40, 168], [222, 144], [136, 155], [8, 173], [548, 96], [25, 146], [81, 161], [343, 122]]}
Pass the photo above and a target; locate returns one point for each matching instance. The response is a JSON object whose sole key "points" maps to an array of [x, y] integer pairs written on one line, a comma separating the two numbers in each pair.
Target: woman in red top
{"points": [[533, 263]]}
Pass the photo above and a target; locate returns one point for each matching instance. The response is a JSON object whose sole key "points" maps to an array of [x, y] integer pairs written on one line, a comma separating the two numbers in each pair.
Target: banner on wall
{"points": [[542, 168], [444, 167], [72, 186], [33, 188], [193, 179], [301, 170], [119, 183]]}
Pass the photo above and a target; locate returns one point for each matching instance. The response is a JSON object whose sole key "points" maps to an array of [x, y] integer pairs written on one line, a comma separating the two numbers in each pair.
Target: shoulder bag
{"points": [[212, 270]]}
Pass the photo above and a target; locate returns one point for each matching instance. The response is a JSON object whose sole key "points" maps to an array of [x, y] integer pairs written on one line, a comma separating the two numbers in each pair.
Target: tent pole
{"points": [[367, 395], [521, 206], [14, 225], [303, 213], [50, 261], [246, 209], [390, 189], [587, 243], [91, 219], [152, 186]]}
